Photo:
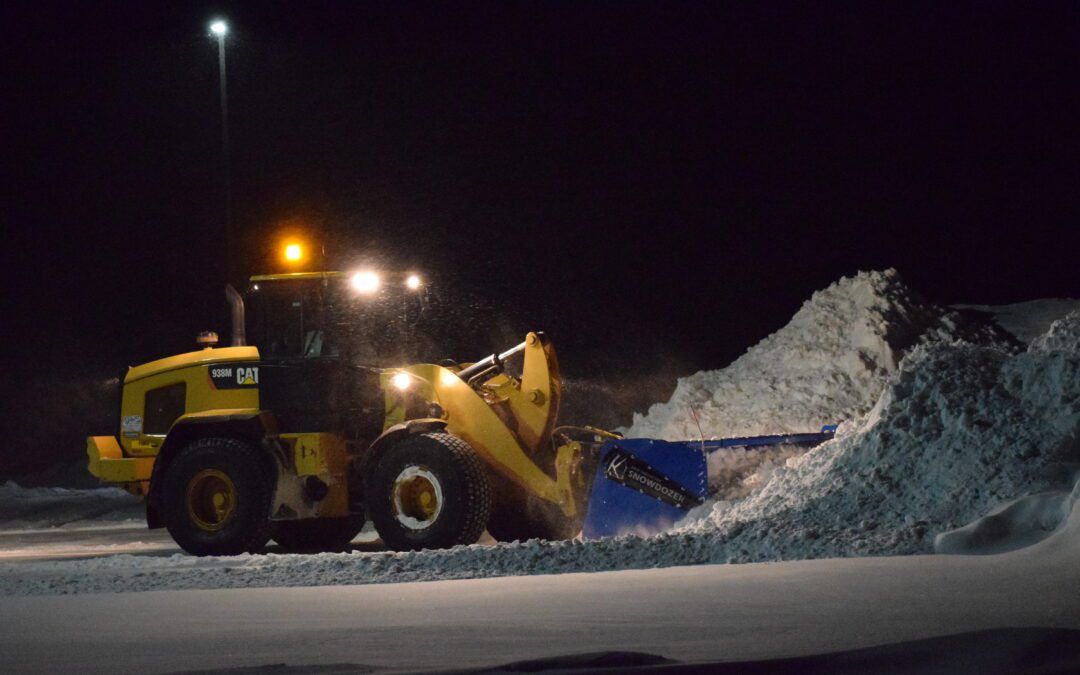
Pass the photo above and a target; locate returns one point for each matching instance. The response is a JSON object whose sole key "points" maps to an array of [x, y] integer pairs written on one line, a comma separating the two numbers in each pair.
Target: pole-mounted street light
{"points": [[219, 28]]}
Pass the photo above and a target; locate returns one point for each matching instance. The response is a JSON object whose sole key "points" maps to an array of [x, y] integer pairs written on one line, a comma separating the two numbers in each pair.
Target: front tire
{"points": [[428, 491], [216, 498]]}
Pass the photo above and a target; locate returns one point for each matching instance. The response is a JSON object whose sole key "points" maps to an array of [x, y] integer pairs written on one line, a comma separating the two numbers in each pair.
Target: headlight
{"points": [[401, 381], [365, 282]]}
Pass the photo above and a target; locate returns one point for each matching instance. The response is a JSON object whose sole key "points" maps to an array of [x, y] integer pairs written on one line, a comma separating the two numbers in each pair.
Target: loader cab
{"points": [[325, 315], [292, 319], [321, 344]]}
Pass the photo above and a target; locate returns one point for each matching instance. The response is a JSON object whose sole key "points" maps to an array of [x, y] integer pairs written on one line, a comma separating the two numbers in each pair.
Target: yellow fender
{"points": [[504, 441]]}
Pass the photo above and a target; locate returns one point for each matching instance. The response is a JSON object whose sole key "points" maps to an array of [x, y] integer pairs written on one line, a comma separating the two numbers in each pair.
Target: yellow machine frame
{"points": [[506, 420]]}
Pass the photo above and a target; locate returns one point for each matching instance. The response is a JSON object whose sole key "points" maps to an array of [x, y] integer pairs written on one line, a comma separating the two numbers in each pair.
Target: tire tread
{"points": [[257, 535]]}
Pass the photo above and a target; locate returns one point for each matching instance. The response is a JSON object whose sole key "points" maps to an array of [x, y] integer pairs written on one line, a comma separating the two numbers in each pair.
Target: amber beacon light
{"points": [[294, 253]]}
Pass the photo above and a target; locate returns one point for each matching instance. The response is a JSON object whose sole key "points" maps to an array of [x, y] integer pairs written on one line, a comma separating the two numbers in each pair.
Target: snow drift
{"points": [[1014, 525], [959, 430]]}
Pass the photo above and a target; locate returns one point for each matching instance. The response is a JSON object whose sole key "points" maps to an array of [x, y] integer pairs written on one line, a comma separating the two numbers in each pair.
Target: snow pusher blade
{"points": [[644, 486]]}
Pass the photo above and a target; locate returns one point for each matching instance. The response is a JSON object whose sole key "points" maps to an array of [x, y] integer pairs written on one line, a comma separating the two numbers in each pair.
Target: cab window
{"points": [[291, 322]]}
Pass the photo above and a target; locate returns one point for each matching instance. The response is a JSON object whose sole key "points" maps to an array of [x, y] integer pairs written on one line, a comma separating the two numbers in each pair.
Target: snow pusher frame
{"points": [[212, 415], [644, 486]]}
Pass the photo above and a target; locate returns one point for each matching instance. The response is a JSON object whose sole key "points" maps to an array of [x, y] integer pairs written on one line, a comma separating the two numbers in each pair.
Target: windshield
{"points": [[325, 318]]}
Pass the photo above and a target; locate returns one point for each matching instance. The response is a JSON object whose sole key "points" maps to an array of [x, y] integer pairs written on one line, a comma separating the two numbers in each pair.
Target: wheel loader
{"points": [[295, 436]]}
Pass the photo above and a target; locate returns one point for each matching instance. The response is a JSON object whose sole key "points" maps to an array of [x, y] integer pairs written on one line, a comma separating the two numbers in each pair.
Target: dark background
{"points": [[657, 185]]}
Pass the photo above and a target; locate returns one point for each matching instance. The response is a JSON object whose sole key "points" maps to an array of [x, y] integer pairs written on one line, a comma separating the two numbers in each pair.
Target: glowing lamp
{"points": [[413, 282], [219, 28], [294, 253], [401, 381], [365, 282]]}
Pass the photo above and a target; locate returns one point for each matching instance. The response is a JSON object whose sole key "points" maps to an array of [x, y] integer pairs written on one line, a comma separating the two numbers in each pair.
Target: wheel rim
{"points": [[418, 498], [211, 499]]}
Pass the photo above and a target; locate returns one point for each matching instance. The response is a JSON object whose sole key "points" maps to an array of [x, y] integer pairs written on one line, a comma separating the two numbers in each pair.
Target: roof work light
{"points": [[365, 282]]}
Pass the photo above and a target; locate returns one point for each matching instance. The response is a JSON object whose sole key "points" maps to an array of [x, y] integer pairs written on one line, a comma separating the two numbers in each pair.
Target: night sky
{"points": [[658, 186]]}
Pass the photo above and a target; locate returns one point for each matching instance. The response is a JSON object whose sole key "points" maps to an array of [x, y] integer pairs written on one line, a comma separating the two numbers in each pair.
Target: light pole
{"points": [[219, 28]]}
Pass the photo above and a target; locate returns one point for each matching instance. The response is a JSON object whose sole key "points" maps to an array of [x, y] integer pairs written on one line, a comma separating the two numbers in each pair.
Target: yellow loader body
{"points": [[505, 420]]}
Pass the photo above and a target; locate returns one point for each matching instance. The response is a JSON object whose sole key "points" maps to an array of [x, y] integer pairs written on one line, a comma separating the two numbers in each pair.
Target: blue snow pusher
{"points": [[645, 486]]}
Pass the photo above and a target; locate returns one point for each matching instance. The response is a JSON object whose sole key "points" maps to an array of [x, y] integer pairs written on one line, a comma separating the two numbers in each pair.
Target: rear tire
{"points": [[216, 498], [428, 491], [315, 535]]}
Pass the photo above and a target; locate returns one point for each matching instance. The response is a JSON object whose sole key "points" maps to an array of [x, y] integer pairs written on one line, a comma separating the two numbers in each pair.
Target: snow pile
{"points": [[828, 364], [959, 430], [738, 472], [1063, 335], [33, 508]]}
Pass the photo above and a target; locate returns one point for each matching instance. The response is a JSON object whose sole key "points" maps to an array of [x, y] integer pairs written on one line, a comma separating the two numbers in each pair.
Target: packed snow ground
{"points": [[48, 523], [37, 508], [691, 614], [949, 420]]}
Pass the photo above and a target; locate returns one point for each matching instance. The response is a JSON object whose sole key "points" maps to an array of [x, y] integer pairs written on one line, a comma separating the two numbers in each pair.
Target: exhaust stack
{"points": [[236, 305]]}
